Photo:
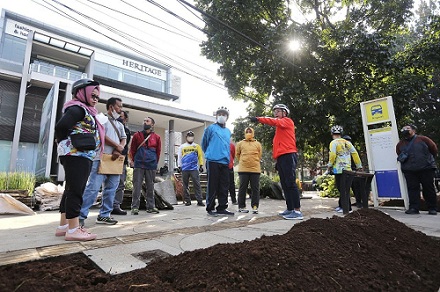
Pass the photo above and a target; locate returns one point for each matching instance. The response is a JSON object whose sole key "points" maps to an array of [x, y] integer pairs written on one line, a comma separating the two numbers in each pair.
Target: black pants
{"points": [[343, 184], [77, 170], [254, 179], [356, 188], [232, 186], [218, 184], [286, 166], [426, 179]]}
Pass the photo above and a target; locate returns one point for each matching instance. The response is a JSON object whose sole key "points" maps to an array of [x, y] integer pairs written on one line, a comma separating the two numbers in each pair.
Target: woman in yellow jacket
{"points": [[248, 153]]}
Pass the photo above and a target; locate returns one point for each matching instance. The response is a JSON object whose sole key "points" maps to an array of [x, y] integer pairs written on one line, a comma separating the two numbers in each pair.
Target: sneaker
{"points": [[134, 211], [118, 211], [340, 210], [412, 211], [188, 204], [234, 203], [61, 231], [106, 220], [212, 213], [225, 212], [285, 212], [337, 209], [432, 212], [154, 210], [295, 215], [243, 210], [255, 209], [200, 204], [80, 234]]}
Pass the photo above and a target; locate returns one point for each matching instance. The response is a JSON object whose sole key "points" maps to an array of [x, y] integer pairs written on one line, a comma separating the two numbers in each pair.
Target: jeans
{"points": [[254, 179], [286, 166], [76, 180], [218, 183], [119, 197], [139, 174], [194, 174], [110, 181], [413, 181]]}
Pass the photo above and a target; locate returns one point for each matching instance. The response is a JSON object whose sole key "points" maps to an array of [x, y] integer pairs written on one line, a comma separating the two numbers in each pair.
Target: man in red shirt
{"points": [[285, 154]]}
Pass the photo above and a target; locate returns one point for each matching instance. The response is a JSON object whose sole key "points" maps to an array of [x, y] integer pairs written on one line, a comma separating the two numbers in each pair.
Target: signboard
{"points": [[381, 138], [46, 139]]}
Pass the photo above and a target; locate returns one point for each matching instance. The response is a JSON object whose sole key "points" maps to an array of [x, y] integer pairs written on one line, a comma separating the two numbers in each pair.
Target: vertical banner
{"points": [[46, 140], [381, 137]]}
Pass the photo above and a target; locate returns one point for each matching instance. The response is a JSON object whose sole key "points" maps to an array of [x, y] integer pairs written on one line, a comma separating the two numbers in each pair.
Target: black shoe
{"points": [[412, 211], [359, 205], [212, 213], [119, 211], [200, 204], [225, 212], [234, 203], [188, 204], [432, 212]]}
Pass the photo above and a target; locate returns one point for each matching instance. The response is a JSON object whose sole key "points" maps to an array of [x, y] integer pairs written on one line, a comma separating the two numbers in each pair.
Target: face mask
{"points": [[190, 139], [248, 136], [147, 127], [221, 119], [115, 115], [405, 133]]}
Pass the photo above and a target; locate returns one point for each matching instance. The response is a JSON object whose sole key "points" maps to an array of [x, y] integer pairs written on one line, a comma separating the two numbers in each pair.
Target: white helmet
{"points": [[222, 109], [282, 107], [336, 129]]}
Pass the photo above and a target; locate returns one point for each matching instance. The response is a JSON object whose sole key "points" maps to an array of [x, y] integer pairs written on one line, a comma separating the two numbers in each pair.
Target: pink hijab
{"points": [[81, 100]]}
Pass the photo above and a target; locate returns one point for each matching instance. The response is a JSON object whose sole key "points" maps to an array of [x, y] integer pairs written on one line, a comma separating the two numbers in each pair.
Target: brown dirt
{"points": [[363, 251]]}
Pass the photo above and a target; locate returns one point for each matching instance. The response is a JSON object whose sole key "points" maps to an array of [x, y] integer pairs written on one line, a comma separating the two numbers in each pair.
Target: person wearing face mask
{"points": [[190, 163], [418, 168], [215, 145], [115, 140], [144, 156], [285, 153], [249, 153]]}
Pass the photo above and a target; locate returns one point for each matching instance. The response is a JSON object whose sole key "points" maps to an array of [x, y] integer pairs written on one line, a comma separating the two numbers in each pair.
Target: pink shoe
{"points": [[80, 234], [61, 231]]}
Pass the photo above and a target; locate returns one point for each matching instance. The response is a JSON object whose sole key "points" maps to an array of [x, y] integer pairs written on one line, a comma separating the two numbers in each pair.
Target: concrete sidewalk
{"points": [[136, 240]]}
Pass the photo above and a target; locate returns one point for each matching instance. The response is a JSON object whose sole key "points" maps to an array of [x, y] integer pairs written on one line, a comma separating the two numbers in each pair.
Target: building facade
{"points": [[39, 63]]}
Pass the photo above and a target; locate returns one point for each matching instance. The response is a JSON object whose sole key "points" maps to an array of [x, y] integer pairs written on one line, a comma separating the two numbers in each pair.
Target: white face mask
{"points": [[190, 139], [115, 115], [221, 119]]}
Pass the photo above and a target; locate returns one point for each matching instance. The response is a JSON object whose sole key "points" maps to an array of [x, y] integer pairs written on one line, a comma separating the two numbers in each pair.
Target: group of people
{"points": [[83, 136]]}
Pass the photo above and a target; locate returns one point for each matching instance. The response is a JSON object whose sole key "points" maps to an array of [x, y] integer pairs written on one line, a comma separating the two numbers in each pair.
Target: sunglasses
{"points": [[95, 97]]}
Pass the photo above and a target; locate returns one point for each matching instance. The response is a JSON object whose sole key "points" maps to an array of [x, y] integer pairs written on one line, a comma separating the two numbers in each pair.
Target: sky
{"points": [[150, 30]]}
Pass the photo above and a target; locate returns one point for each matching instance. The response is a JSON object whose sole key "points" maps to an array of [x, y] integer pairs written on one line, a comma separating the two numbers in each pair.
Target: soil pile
{"points": [[363, 251]]}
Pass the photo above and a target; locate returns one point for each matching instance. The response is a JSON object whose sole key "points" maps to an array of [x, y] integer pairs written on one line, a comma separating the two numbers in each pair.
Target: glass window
{"points": [[100, 69], [114, 73], [13, 49], [129, 77]]}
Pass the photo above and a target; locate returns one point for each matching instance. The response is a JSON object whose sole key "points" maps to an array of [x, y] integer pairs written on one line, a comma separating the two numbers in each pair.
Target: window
{"points": [[13, 49]]}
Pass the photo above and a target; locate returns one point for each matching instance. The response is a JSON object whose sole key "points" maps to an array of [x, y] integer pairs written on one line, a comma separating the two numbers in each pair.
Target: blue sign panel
{"points": [[387, 184]]}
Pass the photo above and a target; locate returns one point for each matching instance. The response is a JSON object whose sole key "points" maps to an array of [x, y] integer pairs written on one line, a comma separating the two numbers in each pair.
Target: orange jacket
{"points": [[284, 140]]}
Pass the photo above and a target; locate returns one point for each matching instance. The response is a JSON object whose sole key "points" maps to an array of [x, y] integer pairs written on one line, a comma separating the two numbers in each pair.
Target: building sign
{"points": [[18, 29], [135, 66], [381, 137]]}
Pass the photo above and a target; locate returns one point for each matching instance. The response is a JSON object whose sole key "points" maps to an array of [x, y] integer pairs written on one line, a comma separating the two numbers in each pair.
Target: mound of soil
{"points": [[364, 251]]}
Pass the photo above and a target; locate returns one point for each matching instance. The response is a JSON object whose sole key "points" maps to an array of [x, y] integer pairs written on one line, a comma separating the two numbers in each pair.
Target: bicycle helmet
{"points": [[222, 109], [190, 133], [336, 129], [81, 83], [282, 107]]}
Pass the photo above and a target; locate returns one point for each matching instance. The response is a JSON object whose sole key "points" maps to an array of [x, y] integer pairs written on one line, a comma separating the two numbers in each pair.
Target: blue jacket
{"points": [[215, 144]]}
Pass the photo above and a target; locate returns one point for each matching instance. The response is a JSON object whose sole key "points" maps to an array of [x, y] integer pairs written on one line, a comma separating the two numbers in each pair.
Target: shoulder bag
{"points": [[403, 156]]}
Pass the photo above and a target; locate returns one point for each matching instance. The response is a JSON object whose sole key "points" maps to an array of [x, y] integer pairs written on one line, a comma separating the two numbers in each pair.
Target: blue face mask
{"points": [[221, 119]]}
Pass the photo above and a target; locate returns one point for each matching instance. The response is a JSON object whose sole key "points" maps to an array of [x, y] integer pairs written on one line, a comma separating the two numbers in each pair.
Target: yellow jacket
{"points": [[248, 153]]}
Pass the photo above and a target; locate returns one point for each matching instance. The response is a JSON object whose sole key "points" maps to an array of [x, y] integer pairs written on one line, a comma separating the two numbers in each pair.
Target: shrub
{"points": [[129, 179], [17, 181], [327, 186]]}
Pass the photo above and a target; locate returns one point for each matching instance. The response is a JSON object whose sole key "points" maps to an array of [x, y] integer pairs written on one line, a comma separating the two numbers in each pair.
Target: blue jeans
{"points": [[111, 182]]}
